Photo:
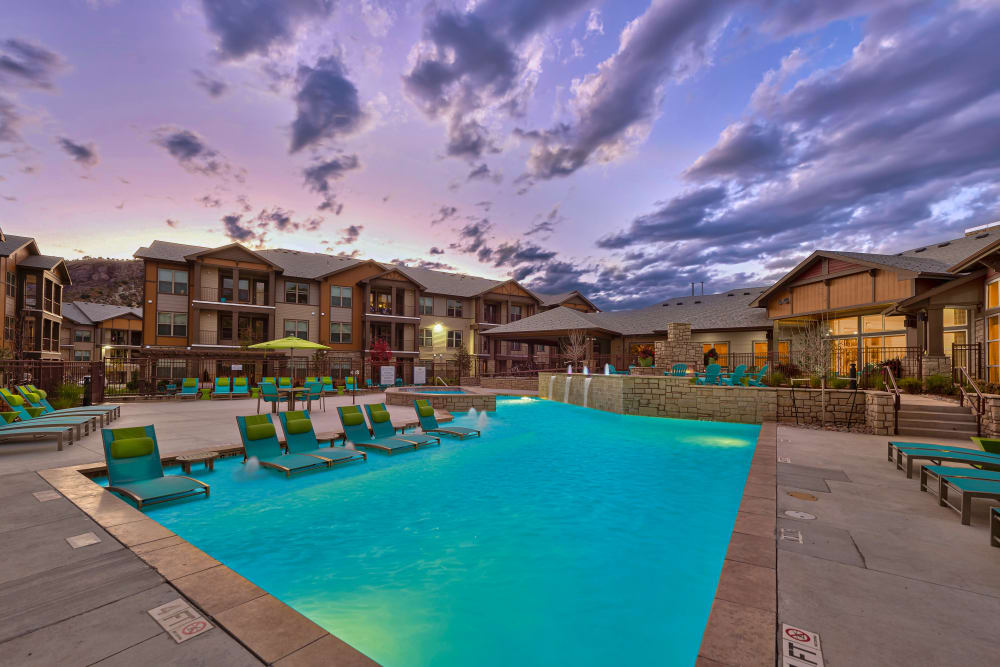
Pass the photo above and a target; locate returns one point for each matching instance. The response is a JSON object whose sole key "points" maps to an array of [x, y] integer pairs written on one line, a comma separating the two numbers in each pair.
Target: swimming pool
{"points": [[563, 536], [426, 390]]}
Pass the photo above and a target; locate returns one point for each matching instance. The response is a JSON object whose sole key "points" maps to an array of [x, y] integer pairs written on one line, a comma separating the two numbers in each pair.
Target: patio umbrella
{"points": [[290, 343]]}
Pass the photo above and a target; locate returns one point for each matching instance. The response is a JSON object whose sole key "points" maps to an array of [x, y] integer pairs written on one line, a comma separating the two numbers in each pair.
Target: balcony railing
{"points": [[217, 338], [399, 310], [216, 295]]}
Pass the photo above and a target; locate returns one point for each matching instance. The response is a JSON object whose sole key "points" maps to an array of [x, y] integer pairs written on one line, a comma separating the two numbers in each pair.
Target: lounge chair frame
{"points": [[163, 499], [932, 478], [965, 499], [939, 456]]}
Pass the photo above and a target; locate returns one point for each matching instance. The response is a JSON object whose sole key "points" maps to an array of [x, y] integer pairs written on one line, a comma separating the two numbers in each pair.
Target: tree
{"points": [[381, 353], [464, 361], [814, 354], [574, 346]]}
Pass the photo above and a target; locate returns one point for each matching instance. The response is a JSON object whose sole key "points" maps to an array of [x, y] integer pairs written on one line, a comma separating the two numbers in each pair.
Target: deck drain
{"points": [[791, 535], [795, 514], [784, 459], [45, 496], [84, 540], [802, 496]]}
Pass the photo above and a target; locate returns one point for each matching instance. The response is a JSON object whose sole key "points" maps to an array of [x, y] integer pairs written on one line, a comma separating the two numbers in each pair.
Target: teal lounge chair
{"points": [[897, 444], [135, 469], [934, 476], [368, 384], [222, 388], [38, 400], [381, 424], [328, 387], [429, 423], [757, 380], [310, 379], [736, 378], [357, 432], [966, 490], [678, 370], [711, 375], [939, 456], [16, 431], [269, 394], [271, 380], [261, 441], [241, 388], [81, 424], [349, 384], [615, 371], [284, 383], [189, 388], [300, 438]]}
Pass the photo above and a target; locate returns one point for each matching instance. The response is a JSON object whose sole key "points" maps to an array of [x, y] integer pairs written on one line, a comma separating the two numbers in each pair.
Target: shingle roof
{"points": [[917, 263], [452, 284], [71, 312], [12, 243], [557, 299], [47, 262], [167, 251], [309, 265], [88, 312]]}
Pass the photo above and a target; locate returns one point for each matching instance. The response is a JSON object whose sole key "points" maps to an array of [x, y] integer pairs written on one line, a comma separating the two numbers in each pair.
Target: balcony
{"points": [[390, 312], [229, 297], [225, 339]]}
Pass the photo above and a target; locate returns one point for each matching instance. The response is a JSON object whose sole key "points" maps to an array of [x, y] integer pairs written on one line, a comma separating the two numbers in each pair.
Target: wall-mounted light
{"points": [[438, 326]]}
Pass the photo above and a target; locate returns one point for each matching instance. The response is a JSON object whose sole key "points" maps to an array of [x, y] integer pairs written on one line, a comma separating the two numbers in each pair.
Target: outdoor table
{"points": [[208, 458], [291, 391]]}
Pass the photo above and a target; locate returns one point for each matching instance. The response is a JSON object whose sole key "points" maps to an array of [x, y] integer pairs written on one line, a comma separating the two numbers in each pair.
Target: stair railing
{"points": [[977, 402], [889, 379]]}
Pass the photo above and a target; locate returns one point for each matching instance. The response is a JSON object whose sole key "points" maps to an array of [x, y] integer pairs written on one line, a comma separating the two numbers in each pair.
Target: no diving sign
{"points": [[180, 619], [800, 648]]}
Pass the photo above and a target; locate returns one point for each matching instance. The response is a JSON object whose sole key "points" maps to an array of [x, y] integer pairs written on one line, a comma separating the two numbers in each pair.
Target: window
{"points": [[955, 317], [993, 348], [515, 347], [426, 305], [8, 328], [81, 335], [721, 348], [30, 291], [340, 369], [171, 324], [515, 313], [952, 338], [454, 338], [297, 328], [171, 369], [993, 294], [844, 326], [340, 332], [119, 337], [454, 308], [296, 292], [759, 353], [426, 338], [172, 282], [784, 351], [11, 284], [81, 355], [340, 297]]}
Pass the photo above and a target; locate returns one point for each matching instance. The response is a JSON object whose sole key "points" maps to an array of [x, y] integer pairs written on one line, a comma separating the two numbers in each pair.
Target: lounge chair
{"points": [[349, 384], [11, 429], [711, 375], [310, 379], [189, 388], [269, 394], [260, 440], [241, 388], [382, 427], [81, 424], [328, 387], [757, 380], [33, 400], [270, 380], [967, 490], [222, 388], [939, 456], [991, 445], [356, 431], [995, 527], [932, 476], [135, 469], [896, 444], [284, 383], [300, 438], [615, 371], [736, 378], [429, 423], [678, 370]]}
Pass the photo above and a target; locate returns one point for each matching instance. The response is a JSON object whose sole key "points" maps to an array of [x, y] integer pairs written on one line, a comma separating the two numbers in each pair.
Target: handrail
{"points": [[891, 381], [980, 402]]}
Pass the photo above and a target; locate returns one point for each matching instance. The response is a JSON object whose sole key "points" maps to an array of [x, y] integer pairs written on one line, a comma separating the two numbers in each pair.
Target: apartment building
{"points": [[96, 331], [32, 298]]}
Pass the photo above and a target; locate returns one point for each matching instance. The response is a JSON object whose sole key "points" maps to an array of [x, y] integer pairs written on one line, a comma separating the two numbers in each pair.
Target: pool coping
{"points": [[743, 624]]}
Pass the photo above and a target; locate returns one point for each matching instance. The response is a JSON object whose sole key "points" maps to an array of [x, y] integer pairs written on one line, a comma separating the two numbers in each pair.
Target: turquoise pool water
{"points": [[564, 536]]}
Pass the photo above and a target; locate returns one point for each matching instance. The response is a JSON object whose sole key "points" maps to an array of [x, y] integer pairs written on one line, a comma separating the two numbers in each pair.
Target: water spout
{"points": [[472, 413], [607, 369], [552, 379], [586, 390], [569, 369], [586, 370], [481, 422], [566, 391]]}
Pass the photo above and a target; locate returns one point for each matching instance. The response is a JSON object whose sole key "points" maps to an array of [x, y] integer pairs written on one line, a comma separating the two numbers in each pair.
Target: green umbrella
{"points": [[290, 343]]}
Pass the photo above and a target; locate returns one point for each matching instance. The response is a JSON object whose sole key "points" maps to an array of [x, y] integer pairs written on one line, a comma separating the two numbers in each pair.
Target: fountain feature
{"points": [[472, 413], [586, 370], [551, 380], [481, 422], [607, 369], [569, 369], [566, 390], [586, 389]]}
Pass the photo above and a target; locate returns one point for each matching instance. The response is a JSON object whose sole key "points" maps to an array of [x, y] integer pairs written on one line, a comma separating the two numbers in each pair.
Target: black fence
{"points": [[970, 357]]}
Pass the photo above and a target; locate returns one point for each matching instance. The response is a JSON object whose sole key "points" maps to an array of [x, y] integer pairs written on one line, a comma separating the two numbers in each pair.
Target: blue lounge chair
{"points": [[81, 424], [328, 386], [939, 456], [678, 370], [284, 383], [349, 384], [967, 490], [222, 388], [736, 378], [270, 380], [135, 469], [757, 380], [711, 375], [934, 476], [241, 388], [300, 438], [429, 423], [269, 394], [356, 431], [382, 427], [310, 379], [894, 445], [11, 430], [37, 399], [260, 440], [189, 388]]}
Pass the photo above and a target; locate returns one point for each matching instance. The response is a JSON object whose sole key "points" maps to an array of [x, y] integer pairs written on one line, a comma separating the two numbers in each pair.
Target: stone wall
{"points": [[678, 348], [879, 412], [518, 383], [443, 401], [469, 381], [935, 364]]}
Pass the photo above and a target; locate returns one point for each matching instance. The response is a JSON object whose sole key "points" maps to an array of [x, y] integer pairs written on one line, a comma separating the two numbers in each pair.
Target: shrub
{"points": [[816, 381], [911, 385], [778, 379], [66, 396], [939, 384], [840, 383]]}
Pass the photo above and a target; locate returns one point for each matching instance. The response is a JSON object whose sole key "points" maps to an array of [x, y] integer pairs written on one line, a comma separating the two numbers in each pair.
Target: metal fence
{"points": [[970, 357]]}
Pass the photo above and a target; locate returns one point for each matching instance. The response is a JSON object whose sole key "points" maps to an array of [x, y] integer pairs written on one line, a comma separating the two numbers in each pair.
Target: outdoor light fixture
{"points": [[438, 326], [354, 394]]}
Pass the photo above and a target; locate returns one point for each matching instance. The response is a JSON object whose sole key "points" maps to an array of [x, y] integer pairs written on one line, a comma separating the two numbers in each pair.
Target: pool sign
{"points": [[800, 648], [387, 375], [180, 620], [419, 374]]}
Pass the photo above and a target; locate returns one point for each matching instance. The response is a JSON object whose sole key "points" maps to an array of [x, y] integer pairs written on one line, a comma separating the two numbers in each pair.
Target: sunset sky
{"points": [[621, 148]]}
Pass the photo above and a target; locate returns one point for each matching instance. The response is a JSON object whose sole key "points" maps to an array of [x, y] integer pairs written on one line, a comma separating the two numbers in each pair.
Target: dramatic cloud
{"points": [[321, 175], [327, 104], [85, 154], [444, 213], [436, 251], [173, 224], [210, 201], [194, 155], [472, 239], [256, 230], [210, 84], [547, 224], [246, 27], [349, 235], [29, 65], [423, 264]]}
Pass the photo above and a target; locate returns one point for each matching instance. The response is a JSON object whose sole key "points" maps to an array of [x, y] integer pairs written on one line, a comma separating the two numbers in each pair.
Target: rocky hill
{"points": [[114, 281]]}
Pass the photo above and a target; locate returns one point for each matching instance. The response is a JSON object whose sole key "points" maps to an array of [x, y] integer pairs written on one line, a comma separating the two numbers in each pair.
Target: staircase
{"points": [[936, 420]]}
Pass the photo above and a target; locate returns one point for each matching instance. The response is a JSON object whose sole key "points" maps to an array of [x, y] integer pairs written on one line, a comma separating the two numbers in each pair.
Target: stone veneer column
{"points": [[935, 364], [678, 348], [879, 412]]}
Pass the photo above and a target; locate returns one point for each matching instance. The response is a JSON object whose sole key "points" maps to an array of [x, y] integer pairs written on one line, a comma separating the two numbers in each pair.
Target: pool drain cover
{"points": [[795, 514], [802, 496]]}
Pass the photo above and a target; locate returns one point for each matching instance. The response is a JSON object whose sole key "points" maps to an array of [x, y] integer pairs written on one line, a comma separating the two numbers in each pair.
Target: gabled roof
{"points": [[10, 244], [167, 251], [563, 297], [511, 281], [238, 246], [393, 269], [450, 284], [87, 312], [48, 263], [559, 318]]}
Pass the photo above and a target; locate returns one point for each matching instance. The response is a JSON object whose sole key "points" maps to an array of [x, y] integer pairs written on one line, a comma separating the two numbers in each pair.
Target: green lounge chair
{"points": [[109, 412], [757, 380], [995, 527], [429, 423], [678, 370], [189, 388], [284, 383], [300, 438], [81, 424], [967, 490], [222, 388], [269, 394], [381, 424], [135, 469], [711, 375], [11, 429], [349, 384], [311, 378], [357, 432], [736, 378], [934, 476], [328, 387], [241, 388], [261, 441], [939, 456], [991, 445], [271, 380]]}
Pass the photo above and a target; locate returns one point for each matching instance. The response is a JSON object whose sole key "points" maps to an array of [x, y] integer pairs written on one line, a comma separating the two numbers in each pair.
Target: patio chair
{"points": [[349, 384], [932, 476], [966, 490], [269, 394], [711, 375], [315, 393], [678, 370], [328, 387], [369, 386], [300, 438], [757, 380], [356, 431], [736, 378], [382, 427], [311, 378], [260, 440], [429, 423], [939, 456], [35, 402], [284, 383], [135, 469], [189, 388], [222, 388], [241, 388], [271, 380]]}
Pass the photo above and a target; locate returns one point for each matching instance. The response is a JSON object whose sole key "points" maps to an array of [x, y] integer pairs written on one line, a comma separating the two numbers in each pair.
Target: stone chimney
{"points": [[678, 332]]}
